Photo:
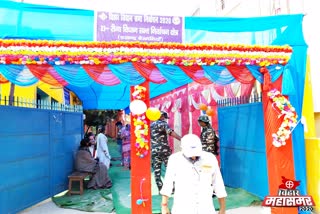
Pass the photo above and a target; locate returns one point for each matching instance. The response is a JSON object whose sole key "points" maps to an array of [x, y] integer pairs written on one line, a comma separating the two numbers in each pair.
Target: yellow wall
{"points": [[313, 170], [54, 92], [27, 92], [317, 122], [307, 109], [26, 95], [312, 143], [30, 92]]}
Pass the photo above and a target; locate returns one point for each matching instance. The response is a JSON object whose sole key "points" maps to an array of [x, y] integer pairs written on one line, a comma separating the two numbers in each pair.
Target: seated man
{"points": [[93, 144], [84, 162]]}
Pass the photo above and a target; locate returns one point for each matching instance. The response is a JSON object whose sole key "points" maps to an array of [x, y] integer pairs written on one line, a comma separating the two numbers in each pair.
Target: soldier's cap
{"points": [[165, 114], [204, 118]]}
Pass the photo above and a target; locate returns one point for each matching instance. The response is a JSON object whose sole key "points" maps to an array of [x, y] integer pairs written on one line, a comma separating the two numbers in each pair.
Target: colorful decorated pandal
{"points": [[22, 52], [41, 52], [286, 112]]}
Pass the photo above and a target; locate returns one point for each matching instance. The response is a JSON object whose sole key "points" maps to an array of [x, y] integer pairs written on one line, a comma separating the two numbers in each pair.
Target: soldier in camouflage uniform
{"points": [[160, 146], [208, 136]]}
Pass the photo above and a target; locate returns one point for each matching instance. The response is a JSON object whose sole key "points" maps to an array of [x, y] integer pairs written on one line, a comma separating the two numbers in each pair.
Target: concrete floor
{"points": [[49, 207]]}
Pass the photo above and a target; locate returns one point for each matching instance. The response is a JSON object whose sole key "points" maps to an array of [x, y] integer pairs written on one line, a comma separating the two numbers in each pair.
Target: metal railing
{"points": [[40, 104], [254, 98]]}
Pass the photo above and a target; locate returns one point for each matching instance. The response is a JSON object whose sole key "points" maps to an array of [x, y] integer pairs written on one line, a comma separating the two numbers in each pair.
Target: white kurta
{"points": [[102, 150], [194, 183], [91, 149]]}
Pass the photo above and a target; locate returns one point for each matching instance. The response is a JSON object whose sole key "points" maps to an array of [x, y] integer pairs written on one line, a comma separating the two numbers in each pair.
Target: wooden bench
{"points": [[77, 177]]}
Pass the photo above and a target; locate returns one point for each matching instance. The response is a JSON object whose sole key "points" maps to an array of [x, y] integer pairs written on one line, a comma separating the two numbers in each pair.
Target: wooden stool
{"points": [[77, 176]]}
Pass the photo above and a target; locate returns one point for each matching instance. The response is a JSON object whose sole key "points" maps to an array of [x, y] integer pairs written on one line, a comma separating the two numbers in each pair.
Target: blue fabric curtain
{"points": [[18, 74], [174, 74], [29, 21], [218, 74], [98, 96], [274, 30], [288, 88], [127, 73], [74, 75]]}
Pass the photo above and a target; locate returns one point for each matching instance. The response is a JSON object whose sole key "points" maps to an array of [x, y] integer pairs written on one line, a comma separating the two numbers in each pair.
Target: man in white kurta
{"points": [[195, 175], [102, 148]]}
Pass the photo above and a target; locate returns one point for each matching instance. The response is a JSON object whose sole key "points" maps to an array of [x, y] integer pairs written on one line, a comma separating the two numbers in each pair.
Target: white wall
{"points": [[235, 8], [312, 37], [150, 7]]}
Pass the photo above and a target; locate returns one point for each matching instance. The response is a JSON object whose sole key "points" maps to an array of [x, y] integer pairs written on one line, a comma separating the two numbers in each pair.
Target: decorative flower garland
{"points": [[282, 104], [22, 52], [141, 128]]}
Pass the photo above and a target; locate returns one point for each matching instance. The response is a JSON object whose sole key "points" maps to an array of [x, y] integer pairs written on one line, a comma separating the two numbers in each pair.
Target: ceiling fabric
{"points": [[108, 86]]}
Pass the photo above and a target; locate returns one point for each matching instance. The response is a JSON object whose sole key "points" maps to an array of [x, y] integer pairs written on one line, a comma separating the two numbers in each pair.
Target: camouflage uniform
{"points": [[160, 148], [208, 137]]}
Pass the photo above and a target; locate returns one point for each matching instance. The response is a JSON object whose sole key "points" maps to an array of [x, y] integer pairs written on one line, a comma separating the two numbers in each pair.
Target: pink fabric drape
{"points": [[244, 76], [101, 74], [183, 97], [196, 73], [219, 89], [150, 72], [241, 73], [185, 120], [195, 94], [171, 124], [246, 89], [229, 91], [46, 73], [195, 126]]}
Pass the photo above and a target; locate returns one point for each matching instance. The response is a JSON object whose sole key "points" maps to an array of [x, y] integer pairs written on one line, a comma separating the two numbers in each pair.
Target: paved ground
{"points": [[49, 207]]}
